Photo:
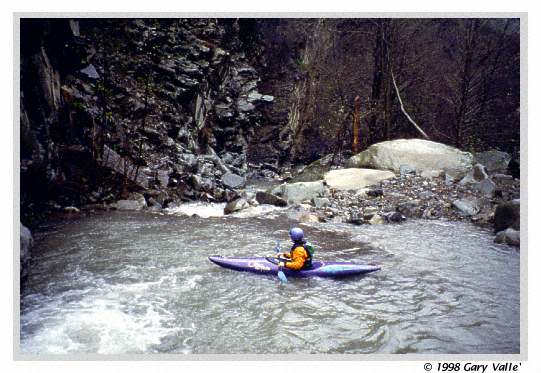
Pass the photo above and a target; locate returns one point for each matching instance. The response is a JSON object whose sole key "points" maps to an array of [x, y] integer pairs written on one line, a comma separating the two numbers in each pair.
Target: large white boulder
{"points": [[421, 155], [355, 178], [298, 192]]}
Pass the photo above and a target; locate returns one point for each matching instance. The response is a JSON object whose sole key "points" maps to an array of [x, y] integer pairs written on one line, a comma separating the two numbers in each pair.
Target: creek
{"points": [[140, 283]]}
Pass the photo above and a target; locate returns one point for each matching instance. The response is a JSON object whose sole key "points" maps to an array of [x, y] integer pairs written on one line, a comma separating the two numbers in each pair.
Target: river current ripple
{"points": [[117, 283]]}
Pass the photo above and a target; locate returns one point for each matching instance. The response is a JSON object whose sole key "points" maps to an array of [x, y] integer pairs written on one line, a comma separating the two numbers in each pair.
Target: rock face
{"points": [[507, 215], [421, 155], [493, 160], [181, 100], [355, 178], [26, 245], [299, 192]]}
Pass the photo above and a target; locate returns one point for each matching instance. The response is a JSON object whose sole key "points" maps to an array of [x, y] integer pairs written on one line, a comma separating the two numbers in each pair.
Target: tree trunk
{"points": [[356, 125]]}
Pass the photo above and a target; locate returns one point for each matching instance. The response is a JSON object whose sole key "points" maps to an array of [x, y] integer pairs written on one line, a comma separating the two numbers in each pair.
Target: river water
{"points": [[120, 282]]}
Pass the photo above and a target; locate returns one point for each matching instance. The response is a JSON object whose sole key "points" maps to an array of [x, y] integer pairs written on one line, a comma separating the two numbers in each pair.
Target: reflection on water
{"points": [[141, 283]]}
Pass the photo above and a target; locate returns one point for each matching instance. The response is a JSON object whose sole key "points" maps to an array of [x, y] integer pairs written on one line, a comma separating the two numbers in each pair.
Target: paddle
{"points": [[281, 274]]}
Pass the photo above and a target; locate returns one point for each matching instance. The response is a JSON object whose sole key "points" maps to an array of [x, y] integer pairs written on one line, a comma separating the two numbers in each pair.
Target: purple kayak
{"points": [[268, 266]]}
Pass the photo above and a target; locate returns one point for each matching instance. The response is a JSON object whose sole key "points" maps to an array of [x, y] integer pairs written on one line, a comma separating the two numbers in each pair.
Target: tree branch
{"points": [[404, 110]]}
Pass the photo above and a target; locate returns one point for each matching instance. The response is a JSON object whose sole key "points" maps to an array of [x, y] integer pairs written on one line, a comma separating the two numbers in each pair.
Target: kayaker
{"points": [[300, 254]]}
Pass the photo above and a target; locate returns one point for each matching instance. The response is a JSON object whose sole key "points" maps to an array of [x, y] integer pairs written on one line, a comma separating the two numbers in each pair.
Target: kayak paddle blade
{"points": [[282, 277]]}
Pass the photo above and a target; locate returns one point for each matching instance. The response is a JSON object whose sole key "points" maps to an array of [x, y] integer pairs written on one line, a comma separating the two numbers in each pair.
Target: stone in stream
{"points": [[270, 199], [434, 212], [355, 178], [509, 236], [236, 205], [419, 154], [394, 217], [356, 219], [410, 209], [25, 254], [376, 220], [298, 192], [507, 215], [467, 207], [136, 202]]}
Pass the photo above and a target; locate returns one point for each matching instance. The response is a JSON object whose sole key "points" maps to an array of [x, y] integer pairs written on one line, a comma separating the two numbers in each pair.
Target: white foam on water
{"points": [[254, 211], [103, 328], [211, 210], [201, 209], [99, 323]]}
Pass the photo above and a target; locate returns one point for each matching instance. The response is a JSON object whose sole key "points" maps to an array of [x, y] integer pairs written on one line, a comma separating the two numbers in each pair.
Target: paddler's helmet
{"points": [[296, 234]]}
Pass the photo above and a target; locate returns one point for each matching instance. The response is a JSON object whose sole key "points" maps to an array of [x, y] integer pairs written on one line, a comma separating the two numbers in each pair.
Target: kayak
{"points": [[268, 266]]}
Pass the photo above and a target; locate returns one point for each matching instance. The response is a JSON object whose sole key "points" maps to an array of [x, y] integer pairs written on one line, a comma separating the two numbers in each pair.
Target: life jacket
{"points": [[309, 250]]}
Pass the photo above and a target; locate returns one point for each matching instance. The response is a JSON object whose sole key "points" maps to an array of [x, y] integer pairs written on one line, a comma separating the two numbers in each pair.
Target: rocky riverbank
{"points": [[484, 195]]}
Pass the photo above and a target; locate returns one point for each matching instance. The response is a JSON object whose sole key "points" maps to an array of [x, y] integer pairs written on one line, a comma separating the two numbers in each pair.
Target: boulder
{"points": [[298, 192], [410, 209], [233, 181], [236, 205], [315, 170], [355, 178], [507, 215], [135, 202], [493, 160], [374, 192], [475, 175], [514, 168], [509, 236], [486, 187], [321, 202], [467, 207], [376, 219], [419, 154], [432, 212], [394, 217], [90, 71], [356, 219], [270, 199], [26, 245]]}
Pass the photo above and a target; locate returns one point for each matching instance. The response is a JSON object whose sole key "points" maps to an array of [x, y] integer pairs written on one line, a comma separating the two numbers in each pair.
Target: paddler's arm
{"points": [[298, 258]]}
